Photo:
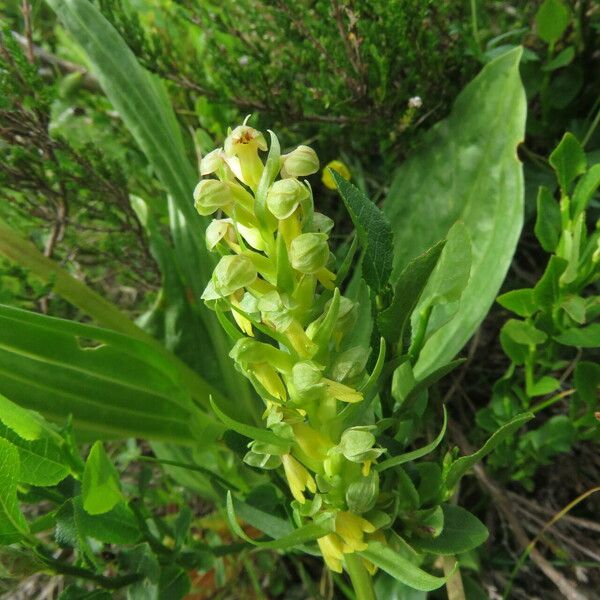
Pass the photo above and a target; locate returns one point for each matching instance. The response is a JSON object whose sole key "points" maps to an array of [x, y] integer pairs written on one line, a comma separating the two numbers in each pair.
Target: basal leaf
{"points": [[373, 230], [101, 489], [464, 463], [143, 104], [400, 568], [467, 170], [111, 384], [462, 531], [12, 523]]}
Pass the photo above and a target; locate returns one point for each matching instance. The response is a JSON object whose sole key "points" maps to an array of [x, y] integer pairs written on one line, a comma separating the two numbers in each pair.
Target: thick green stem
{"points": [[360, 577]]}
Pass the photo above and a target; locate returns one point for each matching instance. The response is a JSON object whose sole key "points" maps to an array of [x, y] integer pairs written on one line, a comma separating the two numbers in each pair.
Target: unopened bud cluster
{"points": [[276, 279]]}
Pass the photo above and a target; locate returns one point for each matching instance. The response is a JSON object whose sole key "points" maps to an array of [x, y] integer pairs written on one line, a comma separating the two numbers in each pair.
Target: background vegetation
{"points": [[80, 180]]}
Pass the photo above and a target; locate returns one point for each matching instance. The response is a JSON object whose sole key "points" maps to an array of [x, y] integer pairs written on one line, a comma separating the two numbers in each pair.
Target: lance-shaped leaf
{"points": [[111, 384], [464, 463], [374, 233], [467, 169], [143, 104]]}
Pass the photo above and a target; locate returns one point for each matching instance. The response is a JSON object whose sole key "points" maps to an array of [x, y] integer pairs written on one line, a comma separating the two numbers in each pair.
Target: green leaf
{"points": [[143, 104], [116, 526], [464, 463], [524, 332], [451, 273], [12, 523], [543, 386], [568, 160], [587, 382], [585, 189], [581, 337], [551, 20], [373, 230], [174, 582], [462, 532], [407, 290], [42, 461], [562, 59], [548, 224], [518, 301], [249, 431], [415, 454], [101, 489], [546, 292], [297, 537], [27, 424], [575, 307], [401, 569], [74, 592], [466, 170], [111, 384]]}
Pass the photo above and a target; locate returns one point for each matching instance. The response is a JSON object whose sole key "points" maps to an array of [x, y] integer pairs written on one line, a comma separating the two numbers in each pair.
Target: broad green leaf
{"points": [[101, 489], [582, 337], [584, 190], [451, 273], [297, 537], [12, 523], [43, 462], [415, 454], [111, 384], [551, 20], [116, 526], [401, 569], [462, 532], [524, 332], [143, 104], [466, 170], [568, 160], [373, 230], [407, 290], [575, 307], [548, 222], [22, 252], [464, 463], [518, 301]]}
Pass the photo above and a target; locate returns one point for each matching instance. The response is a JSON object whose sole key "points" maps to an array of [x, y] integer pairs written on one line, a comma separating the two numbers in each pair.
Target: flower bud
{"points": [[307, 381], [357, 445], [320, 223], [309, 252], [301, 162], [217, 230], [211, 195], [233, 273], [361, 495], [285, 196], [340, 168], [349, 364], [213, 162]]}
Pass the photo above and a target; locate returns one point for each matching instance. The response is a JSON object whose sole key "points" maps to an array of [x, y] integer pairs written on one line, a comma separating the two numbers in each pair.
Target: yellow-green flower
{"points": [[298, 478]]}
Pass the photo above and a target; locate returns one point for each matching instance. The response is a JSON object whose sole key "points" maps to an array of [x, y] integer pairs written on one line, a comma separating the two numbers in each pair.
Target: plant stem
{"points": [[454, 584], [360, 577], [474, 25]]}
